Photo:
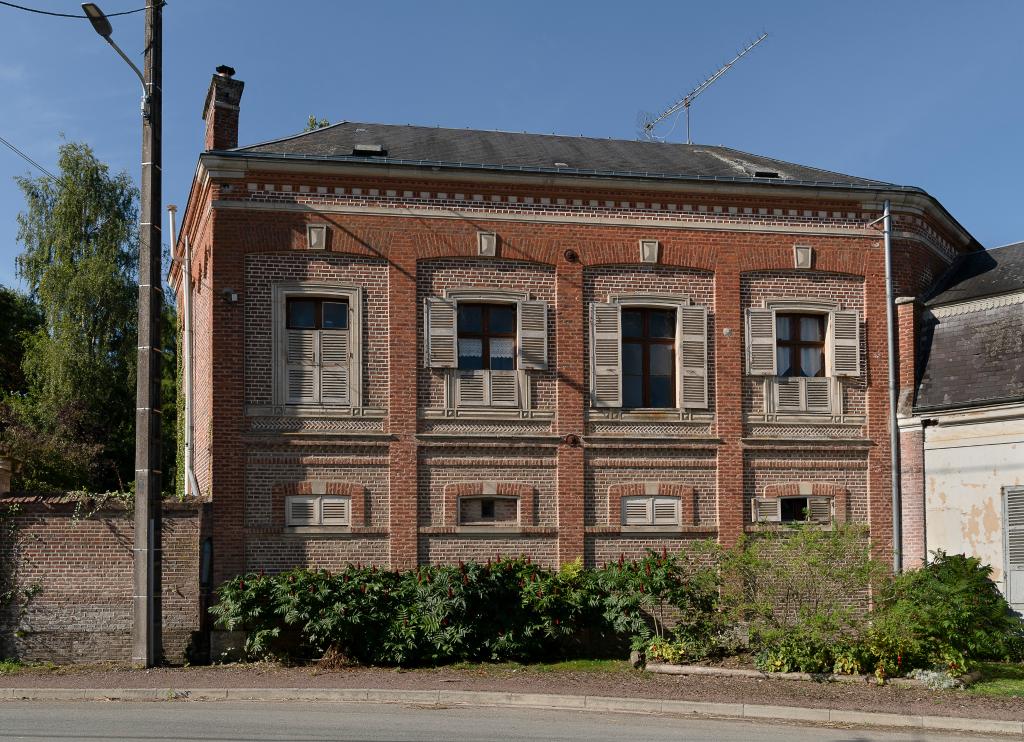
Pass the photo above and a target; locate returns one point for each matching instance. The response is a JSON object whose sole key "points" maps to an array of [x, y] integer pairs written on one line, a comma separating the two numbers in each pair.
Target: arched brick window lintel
{"points": [[685, 493], [353, 490], [526, 494]]}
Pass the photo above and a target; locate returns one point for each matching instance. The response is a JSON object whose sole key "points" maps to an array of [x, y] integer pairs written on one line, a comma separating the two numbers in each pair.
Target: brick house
{"points": [[415, 345]]}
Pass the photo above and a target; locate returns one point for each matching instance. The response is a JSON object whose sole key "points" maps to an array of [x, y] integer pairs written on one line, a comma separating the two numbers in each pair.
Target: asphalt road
{"points": [[306, 722]]}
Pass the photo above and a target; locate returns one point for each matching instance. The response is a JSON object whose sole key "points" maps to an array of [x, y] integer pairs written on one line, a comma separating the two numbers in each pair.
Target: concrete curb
{"points": [[522, 700], [665, 668]]}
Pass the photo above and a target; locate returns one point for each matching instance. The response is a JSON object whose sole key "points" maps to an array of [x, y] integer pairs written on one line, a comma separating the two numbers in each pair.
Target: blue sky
{"points": [[917, 93]]}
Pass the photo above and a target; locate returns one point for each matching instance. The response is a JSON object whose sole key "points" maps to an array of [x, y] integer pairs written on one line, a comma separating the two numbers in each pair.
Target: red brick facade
{"points": [[403, 235]]}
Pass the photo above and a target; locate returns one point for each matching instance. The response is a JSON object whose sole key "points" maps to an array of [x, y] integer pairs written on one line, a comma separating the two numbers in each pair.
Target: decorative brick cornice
{"points": [[356, 492], [810, 489], [525, 493], [685, 493]]}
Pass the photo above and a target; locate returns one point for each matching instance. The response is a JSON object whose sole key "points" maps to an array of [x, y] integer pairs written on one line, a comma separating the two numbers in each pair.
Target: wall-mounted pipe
{"points": [[894, 430]]}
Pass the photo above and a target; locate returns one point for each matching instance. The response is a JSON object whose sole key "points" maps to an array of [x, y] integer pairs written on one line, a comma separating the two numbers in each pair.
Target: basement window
{"points": [[489, 511]]}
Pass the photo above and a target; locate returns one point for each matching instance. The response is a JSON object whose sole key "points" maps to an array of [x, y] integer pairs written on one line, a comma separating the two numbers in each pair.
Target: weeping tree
{"points": [[74, 425]]}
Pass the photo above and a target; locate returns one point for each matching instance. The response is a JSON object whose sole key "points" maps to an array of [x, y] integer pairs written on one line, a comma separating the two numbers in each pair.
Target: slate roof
{"points": [[423, 145], [979, 274], [975, 358]]}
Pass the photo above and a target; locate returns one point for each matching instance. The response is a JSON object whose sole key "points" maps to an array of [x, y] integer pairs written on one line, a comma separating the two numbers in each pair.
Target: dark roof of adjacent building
{"points": [[422, 145], [975, 356], [979, 274]]}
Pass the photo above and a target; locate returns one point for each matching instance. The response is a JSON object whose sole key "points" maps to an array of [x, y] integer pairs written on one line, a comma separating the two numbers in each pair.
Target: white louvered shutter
{"points": [[761, 342], [472, 388], [845, 335], [335, 511], [504, 389], [335, 367], [301, 373], [636, 511], [1015, 547], [766, 510], [789, 394], [533, 334], [819, 509], [606, 354], [692, 323], [440, 338], [665, 511], [818, 394], [303, 511]]}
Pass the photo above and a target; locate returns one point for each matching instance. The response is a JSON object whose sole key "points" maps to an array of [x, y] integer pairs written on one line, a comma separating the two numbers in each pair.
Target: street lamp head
{"points": [[98, 20]]}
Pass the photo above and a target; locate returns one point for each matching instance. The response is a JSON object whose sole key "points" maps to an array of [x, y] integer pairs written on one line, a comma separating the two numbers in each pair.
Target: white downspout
{"points": [[191, 485]]}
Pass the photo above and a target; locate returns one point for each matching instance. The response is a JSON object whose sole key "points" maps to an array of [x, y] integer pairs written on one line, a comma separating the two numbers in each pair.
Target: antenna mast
{"points": [[648, 123]]}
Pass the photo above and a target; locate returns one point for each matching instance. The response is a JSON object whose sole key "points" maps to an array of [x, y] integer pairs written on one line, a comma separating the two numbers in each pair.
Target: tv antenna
{"points": [[648, 122]]}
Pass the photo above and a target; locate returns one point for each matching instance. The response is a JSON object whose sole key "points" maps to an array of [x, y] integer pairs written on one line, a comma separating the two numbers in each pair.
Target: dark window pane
{"points": [[502, 319], [661, 391], [661, 323], [782, 327], [335, 315], [632, 358], [661, 360], [471, 353], [794, 509], [302, 313], [782, 362], [810, 328], [471, 318], [632, 391], [502, 351], [812, 362], [632, 323], [487, 509]]}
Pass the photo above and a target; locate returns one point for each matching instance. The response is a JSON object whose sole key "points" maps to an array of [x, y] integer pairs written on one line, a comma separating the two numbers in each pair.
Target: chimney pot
{"points": [[225, 71]]}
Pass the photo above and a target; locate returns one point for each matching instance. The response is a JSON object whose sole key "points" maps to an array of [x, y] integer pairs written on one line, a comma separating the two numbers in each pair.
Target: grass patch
{"points": [[9, 667], [1000, 679]]}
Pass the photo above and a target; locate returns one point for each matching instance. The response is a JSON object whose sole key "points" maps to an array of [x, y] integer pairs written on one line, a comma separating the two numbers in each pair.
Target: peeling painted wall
{"points": [[968, 461]]}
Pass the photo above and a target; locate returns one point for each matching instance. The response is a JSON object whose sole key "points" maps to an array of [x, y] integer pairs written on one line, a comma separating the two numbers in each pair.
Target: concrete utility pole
{"points": [[147, 627], [147, 649]]}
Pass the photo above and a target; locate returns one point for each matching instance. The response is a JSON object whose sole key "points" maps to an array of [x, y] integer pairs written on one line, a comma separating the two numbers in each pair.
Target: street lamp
{"points": [[146, 551]]}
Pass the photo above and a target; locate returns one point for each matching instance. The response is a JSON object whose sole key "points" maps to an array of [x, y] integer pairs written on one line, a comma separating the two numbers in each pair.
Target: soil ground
{"points": [[599, 679]]}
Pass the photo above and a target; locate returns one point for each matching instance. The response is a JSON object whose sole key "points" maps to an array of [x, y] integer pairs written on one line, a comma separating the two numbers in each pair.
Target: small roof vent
{"points": [[765, 174], [369, 150], [561, 164]]}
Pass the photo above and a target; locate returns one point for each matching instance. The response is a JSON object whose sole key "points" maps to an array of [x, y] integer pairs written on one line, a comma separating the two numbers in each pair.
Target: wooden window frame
{"points": [[318, 314], [794, 347], [485, 335], [646, 341]]}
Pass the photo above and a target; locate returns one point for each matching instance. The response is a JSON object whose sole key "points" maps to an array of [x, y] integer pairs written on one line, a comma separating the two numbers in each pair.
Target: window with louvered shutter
{"points": [[301, 368], [472, 388], [606, 354], [789, 394], [440, 333], [693, 356], [334, 367], [1014, 543], [765, 510], [819, 509], [636, 511], [335, 511], [533, 334], [761, 342], [665, 511], [504, 389], [817, 394], [845, 341], [302, 511]]}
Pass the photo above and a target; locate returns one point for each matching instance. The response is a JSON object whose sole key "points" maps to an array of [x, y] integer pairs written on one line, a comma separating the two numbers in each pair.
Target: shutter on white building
{"points": [[301, 373], [845, 335], [761, 342], [1015, 546], [693, 356], [606, 354], [533, 334], [335, 367], [766, 510], [440, 333]]}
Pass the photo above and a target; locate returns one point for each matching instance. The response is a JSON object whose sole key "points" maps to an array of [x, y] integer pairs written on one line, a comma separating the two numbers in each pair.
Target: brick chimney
{"points": [[221, 109]]}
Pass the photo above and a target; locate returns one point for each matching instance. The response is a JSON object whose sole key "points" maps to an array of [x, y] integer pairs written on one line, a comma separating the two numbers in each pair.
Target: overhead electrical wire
{"points": [[27, 159], [65, 15]]}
